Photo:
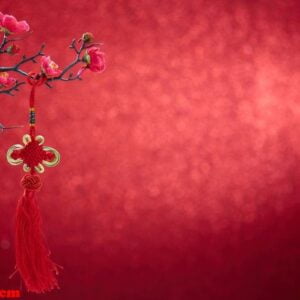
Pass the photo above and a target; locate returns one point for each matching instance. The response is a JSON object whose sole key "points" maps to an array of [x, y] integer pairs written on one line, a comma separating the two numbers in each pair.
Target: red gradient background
{"points": [[180, 167]]}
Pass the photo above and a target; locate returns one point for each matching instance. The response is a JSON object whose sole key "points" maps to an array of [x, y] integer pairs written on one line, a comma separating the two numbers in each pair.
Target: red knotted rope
{"points": [[32, 255], [34, 80]]}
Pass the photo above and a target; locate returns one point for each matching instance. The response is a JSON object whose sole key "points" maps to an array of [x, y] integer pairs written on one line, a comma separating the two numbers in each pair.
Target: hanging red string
{"points": [[33, 261]]}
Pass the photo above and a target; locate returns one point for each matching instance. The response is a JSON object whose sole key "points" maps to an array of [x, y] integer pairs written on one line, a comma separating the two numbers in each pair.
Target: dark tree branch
{"points": [[62, 76], [2, 127], [16, 67], [73, 46], [7, 40], [65, 75], [3, 43], [77, 60], [9, 91]]}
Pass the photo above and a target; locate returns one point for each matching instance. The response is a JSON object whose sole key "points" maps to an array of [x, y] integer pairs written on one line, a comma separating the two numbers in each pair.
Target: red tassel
{"points": [[32, 256]]}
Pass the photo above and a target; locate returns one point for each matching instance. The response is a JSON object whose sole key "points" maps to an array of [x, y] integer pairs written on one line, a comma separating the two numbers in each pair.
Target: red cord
{"points": [[34, 80], [32, 255]]}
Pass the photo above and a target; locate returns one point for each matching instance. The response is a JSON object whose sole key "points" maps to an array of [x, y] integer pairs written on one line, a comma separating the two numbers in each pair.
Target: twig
{"points": [[9, 91], [3, 43], [7, 40], [71, 65], [73, 46], [2, 127], [16, 67]]}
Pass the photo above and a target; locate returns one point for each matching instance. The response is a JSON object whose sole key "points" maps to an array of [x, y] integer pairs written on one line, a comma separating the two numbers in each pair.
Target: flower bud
{"points": [[5, 31], [13, 49], [86, 58], [87, 37]]}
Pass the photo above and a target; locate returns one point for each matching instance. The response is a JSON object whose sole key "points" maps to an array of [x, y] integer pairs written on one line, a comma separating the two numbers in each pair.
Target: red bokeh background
{"points": [[180, 167]]}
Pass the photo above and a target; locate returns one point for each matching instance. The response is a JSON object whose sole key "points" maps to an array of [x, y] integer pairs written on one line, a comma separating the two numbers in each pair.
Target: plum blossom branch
{"points": [[87, 53], [77, 60], [3, 43], [2, 127], [16, 68], [14, 30], [85, 44], [10, 90]]}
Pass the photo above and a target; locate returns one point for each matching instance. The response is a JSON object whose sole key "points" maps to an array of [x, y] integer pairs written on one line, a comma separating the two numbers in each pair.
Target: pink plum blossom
{"points": [[49, 67], [13, 49], [9, 24], [94, 59], [6, 80]]}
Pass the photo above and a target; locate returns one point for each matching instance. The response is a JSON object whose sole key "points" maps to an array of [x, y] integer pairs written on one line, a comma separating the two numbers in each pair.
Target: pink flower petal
{"points": [[5, 79], [9, 22], [22, 26], [12, 25], [49, 67], [97, 60]]}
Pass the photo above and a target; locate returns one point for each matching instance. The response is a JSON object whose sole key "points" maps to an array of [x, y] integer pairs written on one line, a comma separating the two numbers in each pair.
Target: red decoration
{"points": [[32, 256]]}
